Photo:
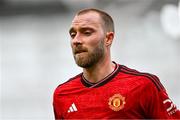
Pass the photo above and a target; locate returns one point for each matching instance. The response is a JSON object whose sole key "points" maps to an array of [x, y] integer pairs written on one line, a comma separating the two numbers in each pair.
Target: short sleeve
{"points": [[156, 104]]}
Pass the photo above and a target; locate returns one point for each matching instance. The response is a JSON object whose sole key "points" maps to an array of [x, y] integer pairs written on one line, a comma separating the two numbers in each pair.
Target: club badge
{"points": [[116, 102]]}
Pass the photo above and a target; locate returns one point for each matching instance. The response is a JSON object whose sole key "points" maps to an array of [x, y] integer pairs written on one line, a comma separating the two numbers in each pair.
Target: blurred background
{"points": [[36, 57]]}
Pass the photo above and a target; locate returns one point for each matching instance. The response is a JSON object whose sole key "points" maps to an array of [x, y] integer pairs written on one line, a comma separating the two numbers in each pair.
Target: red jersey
{"points": [[125, 93]]}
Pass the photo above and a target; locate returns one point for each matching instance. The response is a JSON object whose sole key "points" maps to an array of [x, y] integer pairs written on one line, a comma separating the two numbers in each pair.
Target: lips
{"points": [[79, 50]]}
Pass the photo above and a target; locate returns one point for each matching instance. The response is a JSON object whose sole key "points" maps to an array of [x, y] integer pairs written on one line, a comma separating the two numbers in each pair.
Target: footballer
{"points": [[106, 89]]}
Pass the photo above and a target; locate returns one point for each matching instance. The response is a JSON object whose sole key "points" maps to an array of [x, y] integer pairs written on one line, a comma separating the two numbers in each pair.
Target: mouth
{"points": [[79, 52]]}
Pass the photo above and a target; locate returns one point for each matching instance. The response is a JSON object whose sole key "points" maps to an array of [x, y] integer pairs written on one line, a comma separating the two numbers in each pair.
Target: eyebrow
{"points": [[86, 28], [81, 29]]}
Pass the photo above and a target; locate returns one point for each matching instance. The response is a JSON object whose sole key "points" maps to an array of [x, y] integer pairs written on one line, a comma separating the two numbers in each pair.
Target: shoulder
{"points": [[69, 83], [143, 77], [71, 80]]}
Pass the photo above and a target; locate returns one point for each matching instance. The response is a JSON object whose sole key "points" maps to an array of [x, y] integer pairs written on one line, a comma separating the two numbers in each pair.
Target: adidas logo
{"points": [[72, 108]]}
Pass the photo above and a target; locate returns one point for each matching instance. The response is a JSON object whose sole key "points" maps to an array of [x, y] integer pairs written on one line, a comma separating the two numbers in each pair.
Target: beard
{"points": [[85, 58]]}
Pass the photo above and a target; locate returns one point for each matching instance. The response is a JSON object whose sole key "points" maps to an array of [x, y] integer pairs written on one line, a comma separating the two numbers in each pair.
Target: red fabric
{"points": [[139, 96]]}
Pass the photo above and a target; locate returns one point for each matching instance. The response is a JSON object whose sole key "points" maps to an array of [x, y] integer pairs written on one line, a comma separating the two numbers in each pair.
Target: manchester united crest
{"points": [[116, 102]]}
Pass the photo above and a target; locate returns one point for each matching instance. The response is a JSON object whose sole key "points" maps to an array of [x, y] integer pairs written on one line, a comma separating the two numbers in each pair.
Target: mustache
{"points": [[79, 49]]}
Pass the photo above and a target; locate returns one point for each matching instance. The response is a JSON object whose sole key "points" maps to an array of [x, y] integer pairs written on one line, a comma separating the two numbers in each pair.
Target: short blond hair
{"points": [[107, 19]]}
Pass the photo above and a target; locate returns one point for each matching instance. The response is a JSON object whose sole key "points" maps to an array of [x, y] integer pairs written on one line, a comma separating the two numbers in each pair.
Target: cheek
{"points": [[95, 40], [71, 44]]}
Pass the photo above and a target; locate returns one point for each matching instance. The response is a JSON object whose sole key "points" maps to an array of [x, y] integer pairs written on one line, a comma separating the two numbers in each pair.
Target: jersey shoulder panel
{"points": [[71, 79], [147, 77], [67, 83]]}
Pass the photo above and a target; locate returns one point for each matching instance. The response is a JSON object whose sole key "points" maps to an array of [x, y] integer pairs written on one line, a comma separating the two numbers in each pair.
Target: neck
{"points": [[99, 71]]}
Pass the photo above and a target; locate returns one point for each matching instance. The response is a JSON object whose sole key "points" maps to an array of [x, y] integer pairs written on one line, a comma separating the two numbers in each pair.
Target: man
{"points": [[105, 89]]}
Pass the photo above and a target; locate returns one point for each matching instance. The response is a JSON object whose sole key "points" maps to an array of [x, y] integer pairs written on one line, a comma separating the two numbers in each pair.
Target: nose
{"points": [[77, 40]]}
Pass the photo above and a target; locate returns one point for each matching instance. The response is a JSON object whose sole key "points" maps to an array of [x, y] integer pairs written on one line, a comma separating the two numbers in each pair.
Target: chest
{"points": [[103, 102]]}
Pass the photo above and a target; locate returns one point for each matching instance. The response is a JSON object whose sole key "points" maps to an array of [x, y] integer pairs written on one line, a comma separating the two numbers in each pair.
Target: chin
{"points": [[84, 63]]}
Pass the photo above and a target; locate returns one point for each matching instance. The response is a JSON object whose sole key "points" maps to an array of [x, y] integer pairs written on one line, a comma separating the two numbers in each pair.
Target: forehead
{"points": [[87, 19]]}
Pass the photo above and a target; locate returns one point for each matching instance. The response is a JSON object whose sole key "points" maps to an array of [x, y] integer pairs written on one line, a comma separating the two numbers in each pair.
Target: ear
{"points": [[109, 38]]}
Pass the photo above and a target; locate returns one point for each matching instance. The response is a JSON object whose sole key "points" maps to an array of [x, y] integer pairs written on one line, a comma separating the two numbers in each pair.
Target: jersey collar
{"points": [[102, 82]]}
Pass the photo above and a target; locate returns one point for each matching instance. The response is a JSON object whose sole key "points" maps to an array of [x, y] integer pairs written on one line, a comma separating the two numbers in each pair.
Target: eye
{"points": [[73, 34], [87, 33]]}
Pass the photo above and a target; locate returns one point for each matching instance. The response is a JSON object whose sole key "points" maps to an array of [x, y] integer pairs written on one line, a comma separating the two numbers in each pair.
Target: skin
{"points": [[91, 42]]}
